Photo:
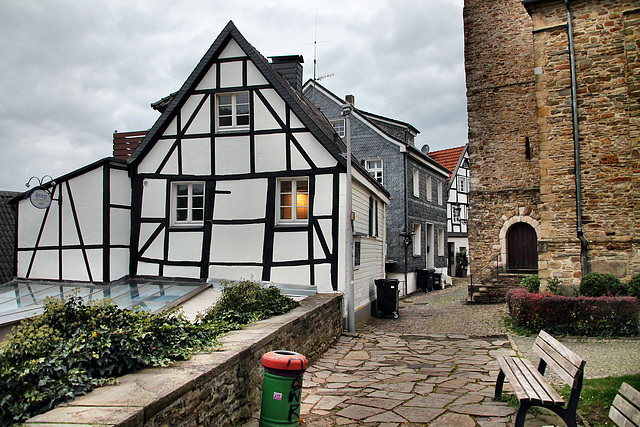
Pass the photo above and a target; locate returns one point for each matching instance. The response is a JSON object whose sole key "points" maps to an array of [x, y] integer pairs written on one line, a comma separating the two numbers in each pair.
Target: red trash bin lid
{"points": [[284, 360]]}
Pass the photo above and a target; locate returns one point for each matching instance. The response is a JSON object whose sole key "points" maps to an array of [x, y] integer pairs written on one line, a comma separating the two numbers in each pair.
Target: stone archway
{"points": [[518, 240]]}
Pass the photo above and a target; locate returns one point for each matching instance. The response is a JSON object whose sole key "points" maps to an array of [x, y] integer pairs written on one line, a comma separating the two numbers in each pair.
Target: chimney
{"points": [[290, 67], [351, 100]]}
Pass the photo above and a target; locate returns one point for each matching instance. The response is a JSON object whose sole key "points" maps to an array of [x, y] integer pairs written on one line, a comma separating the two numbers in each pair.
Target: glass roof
{"points": [[22, 299]]}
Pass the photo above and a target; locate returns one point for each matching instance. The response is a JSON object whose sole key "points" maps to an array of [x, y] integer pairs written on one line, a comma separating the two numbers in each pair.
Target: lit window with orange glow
{"points": [[294, 200]]}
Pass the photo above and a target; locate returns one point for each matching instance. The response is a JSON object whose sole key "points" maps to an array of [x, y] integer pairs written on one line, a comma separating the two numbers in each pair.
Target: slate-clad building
{"points": [[240, 177], [417, 213]]}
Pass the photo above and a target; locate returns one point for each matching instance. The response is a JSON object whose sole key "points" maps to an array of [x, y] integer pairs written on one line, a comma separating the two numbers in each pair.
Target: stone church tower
{"points": [[542, 91]]}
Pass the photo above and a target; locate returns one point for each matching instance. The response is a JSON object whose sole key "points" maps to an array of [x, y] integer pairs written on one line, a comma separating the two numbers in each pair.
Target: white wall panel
{"points": [[148, 269], [156, 249], [45, 265], [294, 275], [152, 160], [323, 278], [95, 264], [320, 156], [323, 199], [153, 198], [120, 226], [171, 166], [254, 76], [237, 243], [87, 190], [24, 258], [276, 102], [270, 153], [172, 129], [247, 200], [181, 271], [226, 272], [262, 118], [209, 80], [185, 246], [120, 191], [326, 227], [119, 266], [230, 74], [201, 123], [69, 231], [232, 50], [73, 266], [196, 156], [232, 155], [29, 220], [290, 246]]}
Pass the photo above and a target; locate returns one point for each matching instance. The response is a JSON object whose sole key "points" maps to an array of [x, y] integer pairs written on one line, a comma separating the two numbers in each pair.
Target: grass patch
{"points": [[597, 396], [508, 323]]}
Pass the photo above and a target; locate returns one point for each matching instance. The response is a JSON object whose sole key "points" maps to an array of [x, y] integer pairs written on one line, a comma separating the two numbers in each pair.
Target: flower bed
{"points": [[579, 316]]}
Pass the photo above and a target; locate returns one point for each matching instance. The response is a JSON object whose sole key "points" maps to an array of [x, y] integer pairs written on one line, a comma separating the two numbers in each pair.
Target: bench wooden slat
{"points": [[563, 366], [625, 410], [503, 361], [518, 377], [543, 389], [568, 354]]}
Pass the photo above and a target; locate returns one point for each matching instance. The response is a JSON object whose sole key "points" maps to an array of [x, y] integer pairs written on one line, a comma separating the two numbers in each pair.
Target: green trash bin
{"points": [[282, 387]]}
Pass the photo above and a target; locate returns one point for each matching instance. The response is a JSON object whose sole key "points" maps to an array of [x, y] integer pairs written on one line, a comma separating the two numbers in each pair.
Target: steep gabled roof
{"points": [[317, 124], [7, 236], [370, 119], [449, 158]]}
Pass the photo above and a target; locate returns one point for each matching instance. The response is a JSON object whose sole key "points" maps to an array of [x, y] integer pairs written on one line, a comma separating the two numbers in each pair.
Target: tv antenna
{"points": [[315, 59]]}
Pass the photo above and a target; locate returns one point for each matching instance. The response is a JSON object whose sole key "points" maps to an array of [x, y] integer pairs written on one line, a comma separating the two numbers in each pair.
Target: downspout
{"points": [[406, 219], [584, 244]]}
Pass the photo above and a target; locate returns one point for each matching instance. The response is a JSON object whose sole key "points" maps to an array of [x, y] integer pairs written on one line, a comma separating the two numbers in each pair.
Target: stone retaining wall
{"points": [[219, 389]]}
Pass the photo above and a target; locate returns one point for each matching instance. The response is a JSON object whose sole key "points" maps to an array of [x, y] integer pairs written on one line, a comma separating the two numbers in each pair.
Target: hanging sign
{"points": [[40, 198]]}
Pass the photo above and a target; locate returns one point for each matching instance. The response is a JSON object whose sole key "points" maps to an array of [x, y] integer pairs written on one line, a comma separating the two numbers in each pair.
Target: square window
{"points": [[375, 169], [188, 203], [293, 201], [232, 111]]}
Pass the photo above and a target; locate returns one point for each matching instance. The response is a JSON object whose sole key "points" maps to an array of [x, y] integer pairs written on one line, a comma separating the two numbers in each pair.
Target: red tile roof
{"points": [[448, 158]]}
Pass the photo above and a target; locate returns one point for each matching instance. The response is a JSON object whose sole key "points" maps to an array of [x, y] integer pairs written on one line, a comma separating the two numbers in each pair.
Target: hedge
{"points": [[578, 316]]}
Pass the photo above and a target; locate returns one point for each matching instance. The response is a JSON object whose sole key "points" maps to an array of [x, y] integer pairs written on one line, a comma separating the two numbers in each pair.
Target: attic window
{"points": [[232, 111], [338, 125]]}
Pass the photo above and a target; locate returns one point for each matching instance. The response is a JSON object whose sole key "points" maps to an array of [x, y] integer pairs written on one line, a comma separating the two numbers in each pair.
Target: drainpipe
{"points": [[406, 233], [351, 319], [584, 244]]}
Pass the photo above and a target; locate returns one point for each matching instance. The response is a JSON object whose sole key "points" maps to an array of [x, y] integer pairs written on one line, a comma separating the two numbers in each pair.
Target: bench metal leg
{"points": [[499, 383], [522, 414]]}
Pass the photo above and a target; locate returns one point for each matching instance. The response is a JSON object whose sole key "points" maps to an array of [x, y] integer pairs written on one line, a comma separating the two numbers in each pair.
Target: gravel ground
{"points": [[446, 312]]}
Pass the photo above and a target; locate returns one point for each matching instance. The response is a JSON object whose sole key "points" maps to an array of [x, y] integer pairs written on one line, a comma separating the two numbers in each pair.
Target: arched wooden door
{"points": [[522, 248]]}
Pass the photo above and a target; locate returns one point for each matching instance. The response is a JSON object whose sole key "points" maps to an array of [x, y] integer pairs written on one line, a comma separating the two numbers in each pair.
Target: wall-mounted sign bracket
{"points": [[41, 195]]}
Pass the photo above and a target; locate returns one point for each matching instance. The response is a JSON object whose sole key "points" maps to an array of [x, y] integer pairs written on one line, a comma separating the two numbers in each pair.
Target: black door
{"points": [[522, 248]]}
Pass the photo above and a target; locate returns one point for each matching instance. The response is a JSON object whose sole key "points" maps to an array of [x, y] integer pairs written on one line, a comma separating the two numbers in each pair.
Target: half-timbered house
{"points": [[457, 161], [240, 177]]}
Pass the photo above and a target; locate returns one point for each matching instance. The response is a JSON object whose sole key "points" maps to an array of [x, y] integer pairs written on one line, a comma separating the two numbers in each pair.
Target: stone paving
{"points": [[435, 365]]}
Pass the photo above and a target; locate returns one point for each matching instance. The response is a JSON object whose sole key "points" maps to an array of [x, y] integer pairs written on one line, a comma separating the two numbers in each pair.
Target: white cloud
{"points": [[73, 72]]}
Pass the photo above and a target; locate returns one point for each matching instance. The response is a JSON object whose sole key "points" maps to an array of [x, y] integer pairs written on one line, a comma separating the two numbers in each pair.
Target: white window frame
{"points": [[234, 111], [428, 189], [439, 192], [456, 213], [340, 128], [190, 202], [463, 184], [294, 220], [375, 168], [417, 239], [440, 241], [416, 182]]}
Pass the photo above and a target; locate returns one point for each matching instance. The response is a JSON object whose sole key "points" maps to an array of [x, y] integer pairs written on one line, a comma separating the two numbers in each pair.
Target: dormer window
{"points": [[338, 126], [232, 111]]}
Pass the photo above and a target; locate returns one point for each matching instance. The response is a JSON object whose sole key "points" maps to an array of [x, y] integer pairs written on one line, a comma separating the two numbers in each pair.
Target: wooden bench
{"points": [[625, 411], [530, 386]]}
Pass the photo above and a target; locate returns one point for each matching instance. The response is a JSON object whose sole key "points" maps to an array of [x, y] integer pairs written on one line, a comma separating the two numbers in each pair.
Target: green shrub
{"points": [[248, 301], [531, 283], [633, 287], [581, 316], [554, 285], [73, 347], [599, 284]]}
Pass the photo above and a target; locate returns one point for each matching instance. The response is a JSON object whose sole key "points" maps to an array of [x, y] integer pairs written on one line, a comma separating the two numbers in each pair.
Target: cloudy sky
{"points": [[74, 71]]}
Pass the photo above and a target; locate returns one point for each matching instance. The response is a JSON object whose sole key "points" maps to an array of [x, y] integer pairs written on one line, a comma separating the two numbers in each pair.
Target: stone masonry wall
{"points": [[218, 389], [606, 52], [501, 111]]}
